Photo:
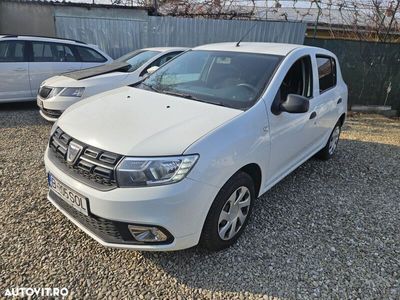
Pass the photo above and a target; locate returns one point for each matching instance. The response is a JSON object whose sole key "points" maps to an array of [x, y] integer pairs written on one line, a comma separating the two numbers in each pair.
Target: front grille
{"points": [[108, 230], [44, 92], [93, 166]]}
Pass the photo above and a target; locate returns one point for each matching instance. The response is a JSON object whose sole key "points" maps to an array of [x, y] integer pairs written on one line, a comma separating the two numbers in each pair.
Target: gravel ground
{"points": [[329, 230]]}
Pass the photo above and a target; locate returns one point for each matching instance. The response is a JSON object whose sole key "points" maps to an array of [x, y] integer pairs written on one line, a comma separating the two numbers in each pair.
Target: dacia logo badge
{"points": [[73, 152]]}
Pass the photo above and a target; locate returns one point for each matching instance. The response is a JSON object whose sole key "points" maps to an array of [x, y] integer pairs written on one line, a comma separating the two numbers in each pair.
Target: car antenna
{"points": [[248, 31], [251, 28]]}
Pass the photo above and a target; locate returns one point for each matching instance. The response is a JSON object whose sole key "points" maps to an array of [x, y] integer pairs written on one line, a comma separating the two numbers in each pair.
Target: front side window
{"points": [[12, 51], [298, 80], [90, 55], [161, 60], [232, 79], [137, 59], [326, 72]]}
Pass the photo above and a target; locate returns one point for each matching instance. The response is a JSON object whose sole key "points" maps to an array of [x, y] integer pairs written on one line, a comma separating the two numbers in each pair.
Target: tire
{"points": [[330, 148], [226, 208]]}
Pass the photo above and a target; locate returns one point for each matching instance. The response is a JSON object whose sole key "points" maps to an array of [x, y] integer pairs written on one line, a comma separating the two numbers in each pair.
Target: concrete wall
{"points": [[33, 18], [26, 18]]}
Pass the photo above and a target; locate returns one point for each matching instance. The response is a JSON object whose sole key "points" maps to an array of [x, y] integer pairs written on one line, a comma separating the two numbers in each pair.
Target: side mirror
{"points": [[152, 70], [295, 104]]}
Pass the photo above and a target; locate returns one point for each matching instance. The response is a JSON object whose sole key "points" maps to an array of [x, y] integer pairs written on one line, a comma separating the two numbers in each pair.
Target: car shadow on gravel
{"points": [[329, 228], [10, 115]]}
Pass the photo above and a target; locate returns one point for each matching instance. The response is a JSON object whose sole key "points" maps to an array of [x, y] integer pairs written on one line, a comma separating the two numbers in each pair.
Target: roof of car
{"points": [[165, 49], [40, 38], [264, 48]]}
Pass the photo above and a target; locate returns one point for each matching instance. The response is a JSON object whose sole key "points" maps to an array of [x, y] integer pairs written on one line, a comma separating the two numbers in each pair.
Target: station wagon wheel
{"points": [[229, 213]]}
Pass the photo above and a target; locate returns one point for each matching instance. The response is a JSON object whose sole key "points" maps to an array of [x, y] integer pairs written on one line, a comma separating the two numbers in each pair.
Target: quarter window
{"points": [[326, 72], [90, 55], [12, 51]]}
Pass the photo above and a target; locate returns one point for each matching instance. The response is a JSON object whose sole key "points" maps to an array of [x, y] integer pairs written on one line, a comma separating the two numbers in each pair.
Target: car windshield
{"points": [[137, 59], [232, 79]]}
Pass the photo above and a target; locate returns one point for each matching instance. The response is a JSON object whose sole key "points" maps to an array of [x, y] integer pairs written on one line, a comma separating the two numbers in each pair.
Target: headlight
{"points": [[73, 92], [55, 91], [137, 171]]}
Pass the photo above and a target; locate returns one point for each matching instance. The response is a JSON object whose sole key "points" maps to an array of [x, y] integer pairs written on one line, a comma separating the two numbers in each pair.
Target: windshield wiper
{"points": [[188, 96], [191, 97], [151, 87]]}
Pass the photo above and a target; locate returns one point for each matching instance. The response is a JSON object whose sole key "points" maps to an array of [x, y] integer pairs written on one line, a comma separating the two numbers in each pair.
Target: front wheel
{"points": [[229, 213], [329, 150]]}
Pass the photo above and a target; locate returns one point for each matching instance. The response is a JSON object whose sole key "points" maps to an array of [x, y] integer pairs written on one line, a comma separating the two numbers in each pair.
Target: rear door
{"points": [[49, 59], [89, 57], [329, 94], [14, 71]]}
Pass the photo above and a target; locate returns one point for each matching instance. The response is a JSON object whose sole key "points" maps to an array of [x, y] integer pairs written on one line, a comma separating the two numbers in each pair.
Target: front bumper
{"points": [[179, 208], [52, 108], [50, 115]]}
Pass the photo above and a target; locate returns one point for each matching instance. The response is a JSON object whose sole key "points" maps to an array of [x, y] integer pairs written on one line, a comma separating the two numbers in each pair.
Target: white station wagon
{"points": [[25, 61], [179, 159], [57, 93]]}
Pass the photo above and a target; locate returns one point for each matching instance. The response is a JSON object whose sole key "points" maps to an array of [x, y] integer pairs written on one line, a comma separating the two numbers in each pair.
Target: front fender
{"points": [[226, 149]]}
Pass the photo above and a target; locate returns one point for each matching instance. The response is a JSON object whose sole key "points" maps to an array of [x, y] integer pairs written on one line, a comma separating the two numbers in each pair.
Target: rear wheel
{"points": [[229, 213], [329, 150]]}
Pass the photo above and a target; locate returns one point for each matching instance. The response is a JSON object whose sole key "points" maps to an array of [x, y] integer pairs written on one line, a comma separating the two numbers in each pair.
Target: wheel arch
{"points": [[342, 118], [254, 171]]}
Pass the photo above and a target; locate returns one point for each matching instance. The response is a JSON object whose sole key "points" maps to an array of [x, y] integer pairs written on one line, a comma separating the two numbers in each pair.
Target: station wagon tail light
{"points": [[137, 171], [73, 92]]}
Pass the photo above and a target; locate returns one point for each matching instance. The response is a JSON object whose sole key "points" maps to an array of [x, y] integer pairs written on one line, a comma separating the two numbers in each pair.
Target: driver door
{"points": [[291, 133]]}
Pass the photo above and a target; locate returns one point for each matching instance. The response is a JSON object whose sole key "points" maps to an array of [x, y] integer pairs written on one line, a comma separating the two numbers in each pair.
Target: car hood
{"points": [[99, 70], [135, 122], [105, 79]]}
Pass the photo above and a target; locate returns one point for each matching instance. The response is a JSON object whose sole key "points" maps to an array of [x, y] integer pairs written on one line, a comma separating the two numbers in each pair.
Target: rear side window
{"points": [[90, 55], [52, 52], [326, 72], [12, 51], [64, 52]]}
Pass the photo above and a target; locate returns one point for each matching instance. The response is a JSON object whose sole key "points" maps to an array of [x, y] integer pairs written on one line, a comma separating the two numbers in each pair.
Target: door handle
{"points": [[20, 69], [339, 101], [313, 115]]}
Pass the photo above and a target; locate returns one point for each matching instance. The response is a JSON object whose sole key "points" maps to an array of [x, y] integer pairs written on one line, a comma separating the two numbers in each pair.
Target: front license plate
{"points": [[39, 103], [74, 199]]}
